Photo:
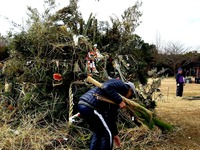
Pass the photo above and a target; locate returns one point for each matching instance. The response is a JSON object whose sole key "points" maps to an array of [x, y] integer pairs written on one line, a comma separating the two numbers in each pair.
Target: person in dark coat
{"points": [[101, 116], [180, 82]]}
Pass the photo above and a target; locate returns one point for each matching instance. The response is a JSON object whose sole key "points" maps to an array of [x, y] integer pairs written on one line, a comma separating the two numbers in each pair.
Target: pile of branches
{"points": [[27, 86]]}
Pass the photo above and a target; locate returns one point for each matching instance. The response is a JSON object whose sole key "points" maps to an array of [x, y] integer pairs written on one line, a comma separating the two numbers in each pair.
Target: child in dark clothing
{"points": [[180, 81], [101, 116]]}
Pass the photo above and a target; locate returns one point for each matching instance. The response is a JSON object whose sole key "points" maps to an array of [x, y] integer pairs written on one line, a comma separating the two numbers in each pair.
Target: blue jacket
{"points": [[110, 90]]}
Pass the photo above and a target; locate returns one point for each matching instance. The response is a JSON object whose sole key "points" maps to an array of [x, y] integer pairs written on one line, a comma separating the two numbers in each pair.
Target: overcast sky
{"points": [[172, 20]]}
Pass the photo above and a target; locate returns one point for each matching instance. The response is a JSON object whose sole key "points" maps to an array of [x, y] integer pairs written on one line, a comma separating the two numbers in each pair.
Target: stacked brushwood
{"points": [[28, 87]]}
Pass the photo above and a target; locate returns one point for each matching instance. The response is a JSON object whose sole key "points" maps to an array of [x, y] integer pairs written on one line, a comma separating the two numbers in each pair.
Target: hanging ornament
{"points": [[57, 76], [57, 79]]}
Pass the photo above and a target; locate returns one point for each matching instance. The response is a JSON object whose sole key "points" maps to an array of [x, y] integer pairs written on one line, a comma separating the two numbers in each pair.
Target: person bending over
{"points": [[101, 116]]}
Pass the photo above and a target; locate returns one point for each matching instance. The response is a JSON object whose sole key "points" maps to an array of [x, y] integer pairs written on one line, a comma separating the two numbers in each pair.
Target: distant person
{"points": [[197, 77], [193, 73], [180, 81], [187, 73]]}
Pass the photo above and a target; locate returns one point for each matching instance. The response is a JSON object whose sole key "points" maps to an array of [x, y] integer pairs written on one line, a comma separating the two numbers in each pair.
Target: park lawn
{"points": [[183, 114]]}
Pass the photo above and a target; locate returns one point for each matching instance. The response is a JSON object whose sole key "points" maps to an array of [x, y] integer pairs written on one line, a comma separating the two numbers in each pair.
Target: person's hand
{"points": [[117, 140], [178, 84], [122, 104]]}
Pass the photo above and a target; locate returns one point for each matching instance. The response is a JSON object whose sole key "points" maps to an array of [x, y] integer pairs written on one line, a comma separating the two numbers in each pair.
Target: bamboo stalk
{"points": [[144, 115], [126, 100]]}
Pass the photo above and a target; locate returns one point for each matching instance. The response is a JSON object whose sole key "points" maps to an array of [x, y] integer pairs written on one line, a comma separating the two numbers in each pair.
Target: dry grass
{"points": [[28, 136], [139, 137], [183, 114]]}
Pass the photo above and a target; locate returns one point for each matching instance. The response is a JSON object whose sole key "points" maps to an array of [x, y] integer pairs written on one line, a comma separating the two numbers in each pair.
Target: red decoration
{"points": [[57, 76]]}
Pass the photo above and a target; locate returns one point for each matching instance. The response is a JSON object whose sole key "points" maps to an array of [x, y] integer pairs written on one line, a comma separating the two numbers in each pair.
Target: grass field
{"points": [[182, 113]]}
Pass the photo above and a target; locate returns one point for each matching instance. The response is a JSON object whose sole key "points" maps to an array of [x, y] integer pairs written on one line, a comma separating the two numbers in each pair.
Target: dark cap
{"points": [[180, 69]]}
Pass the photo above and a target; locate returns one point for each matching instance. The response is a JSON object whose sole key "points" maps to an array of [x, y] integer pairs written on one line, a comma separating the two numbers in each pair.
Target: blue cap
{"points": [[179, 69]]}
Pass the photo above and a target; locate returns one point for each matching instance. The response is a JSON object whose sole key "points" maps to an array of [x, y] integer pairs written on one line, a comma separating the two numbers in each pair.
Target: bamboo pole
{"points": [[126, 100], [144, 116]]}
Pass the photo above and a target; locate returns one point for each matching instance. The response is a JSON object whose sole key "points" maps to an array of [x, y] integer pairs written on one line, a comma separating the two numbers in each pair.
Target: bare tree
{"points": [[173, 55], [159, 42]]}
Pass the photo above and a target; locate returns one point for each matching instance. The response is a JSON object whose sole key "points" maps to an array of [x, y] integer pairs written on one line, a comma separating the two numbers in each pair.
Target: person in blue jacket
{"points": [[101, 116], [180, 82]]}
